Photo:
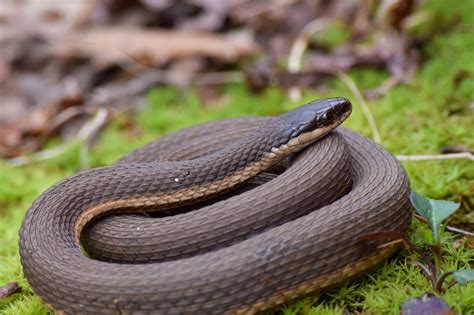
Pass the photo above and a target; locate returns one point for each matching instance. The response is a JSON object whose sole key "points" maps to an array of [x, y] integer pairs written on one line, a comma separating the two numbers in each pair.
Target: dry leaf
{"points": [[27, 133], [115, 44], [9, 289]]}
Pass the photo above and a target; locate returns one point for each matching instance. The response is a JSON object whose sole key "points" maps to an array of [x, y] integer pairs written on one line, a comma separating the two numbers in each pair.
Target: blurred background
{"points": [[83, 82], [62, 60]]}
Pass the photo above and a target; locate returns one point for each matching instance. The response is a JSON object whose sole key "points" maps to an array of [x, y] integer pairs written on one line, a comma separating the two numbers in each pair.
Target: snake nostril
{"points": [[344, 105]]}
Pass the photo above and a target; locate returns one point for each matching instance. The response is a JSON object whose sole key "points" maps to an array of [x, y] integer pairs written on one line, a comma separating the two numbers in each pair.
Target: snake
{"points": [[237, 216]]}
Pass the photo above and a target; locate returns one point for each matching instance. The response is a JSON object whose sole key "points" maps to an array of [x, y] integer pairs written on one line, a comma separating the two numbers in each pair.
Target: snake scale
{"points": [[210, 250]]}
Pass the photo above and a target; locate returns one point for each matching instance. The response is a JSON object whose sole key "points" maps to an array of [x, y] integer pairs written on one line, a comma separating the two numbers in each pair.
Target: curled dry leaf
{"points": [[117, 44], [9, 289]]}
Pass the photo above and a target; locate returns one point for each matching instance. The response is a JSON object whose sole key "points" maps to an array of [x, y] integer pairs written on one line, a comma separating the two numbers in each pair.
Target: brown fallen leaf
{"points": [[470, 243], [125, 47], [28, 133], [9, 289], [118, 44], [465, 241], [394, 12]]}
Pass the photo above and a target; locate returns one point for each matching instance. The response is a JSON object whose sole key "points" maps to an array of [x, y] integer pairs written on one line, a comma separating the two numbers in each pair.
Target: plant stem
{"points": [[439, 284], [399, 236], [436, 250], [427, 272], [450, 284]]}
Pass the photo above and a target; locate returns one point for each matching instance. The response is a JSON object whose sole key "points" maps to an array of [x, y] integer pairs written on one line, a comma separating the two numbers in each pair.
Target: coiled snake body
{"points": [[293, 235]]}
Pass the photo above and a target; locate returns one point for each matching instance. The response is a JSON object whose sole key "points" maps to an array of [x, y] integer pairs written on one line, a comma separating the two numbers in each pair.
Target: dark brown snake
{"points": [[245, 253]]}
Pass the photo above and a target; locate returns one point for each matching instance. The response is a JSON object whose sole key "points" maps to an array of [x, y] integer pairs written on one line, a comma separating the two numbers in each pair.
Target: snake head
{"points": [[325, 114]]}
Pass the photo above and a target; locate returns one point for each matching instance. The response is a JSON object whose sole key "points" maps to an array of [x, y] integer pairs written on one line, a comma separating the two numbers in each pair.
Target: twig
{"points": [[465, 155], [41, 155], [299, 47], [459, 231], [363, 104], [92, 126], [63, 117], [85, 134], [391, 243]]}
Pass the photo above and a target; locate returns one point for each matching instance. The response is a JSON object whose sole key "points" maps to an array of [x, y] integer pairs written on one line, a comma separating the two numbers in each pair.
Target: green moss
{"points": [[335, 34], [433, 112]]}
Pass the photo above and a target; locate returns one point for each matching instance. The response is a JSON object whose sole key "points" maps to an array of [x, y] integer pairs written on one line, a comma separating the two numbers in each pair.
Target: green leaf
{"points": [[434, 211], [463, 276]]}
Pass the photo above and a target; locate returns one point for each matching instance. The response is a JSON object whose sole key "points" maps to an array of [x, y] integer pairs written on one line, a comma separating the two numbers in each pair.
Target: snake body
{"points": [[293, 235]]}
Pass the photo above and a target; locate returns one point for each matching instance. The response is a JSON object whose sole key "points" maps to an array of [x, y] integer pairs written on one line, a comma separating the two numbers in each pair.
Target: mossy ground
{"points": [[434, 111]]}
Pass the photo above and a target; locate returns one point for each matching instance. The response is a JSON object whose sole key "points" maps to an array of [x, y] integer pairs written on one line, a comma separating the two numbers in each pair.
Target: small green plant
{"points": [[433, 212]]}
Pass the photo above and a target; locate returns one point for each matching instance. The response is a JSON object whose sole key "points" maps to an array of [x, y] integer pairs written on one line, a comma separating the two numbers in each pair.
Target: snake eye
{"points": [[327, 117]]}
